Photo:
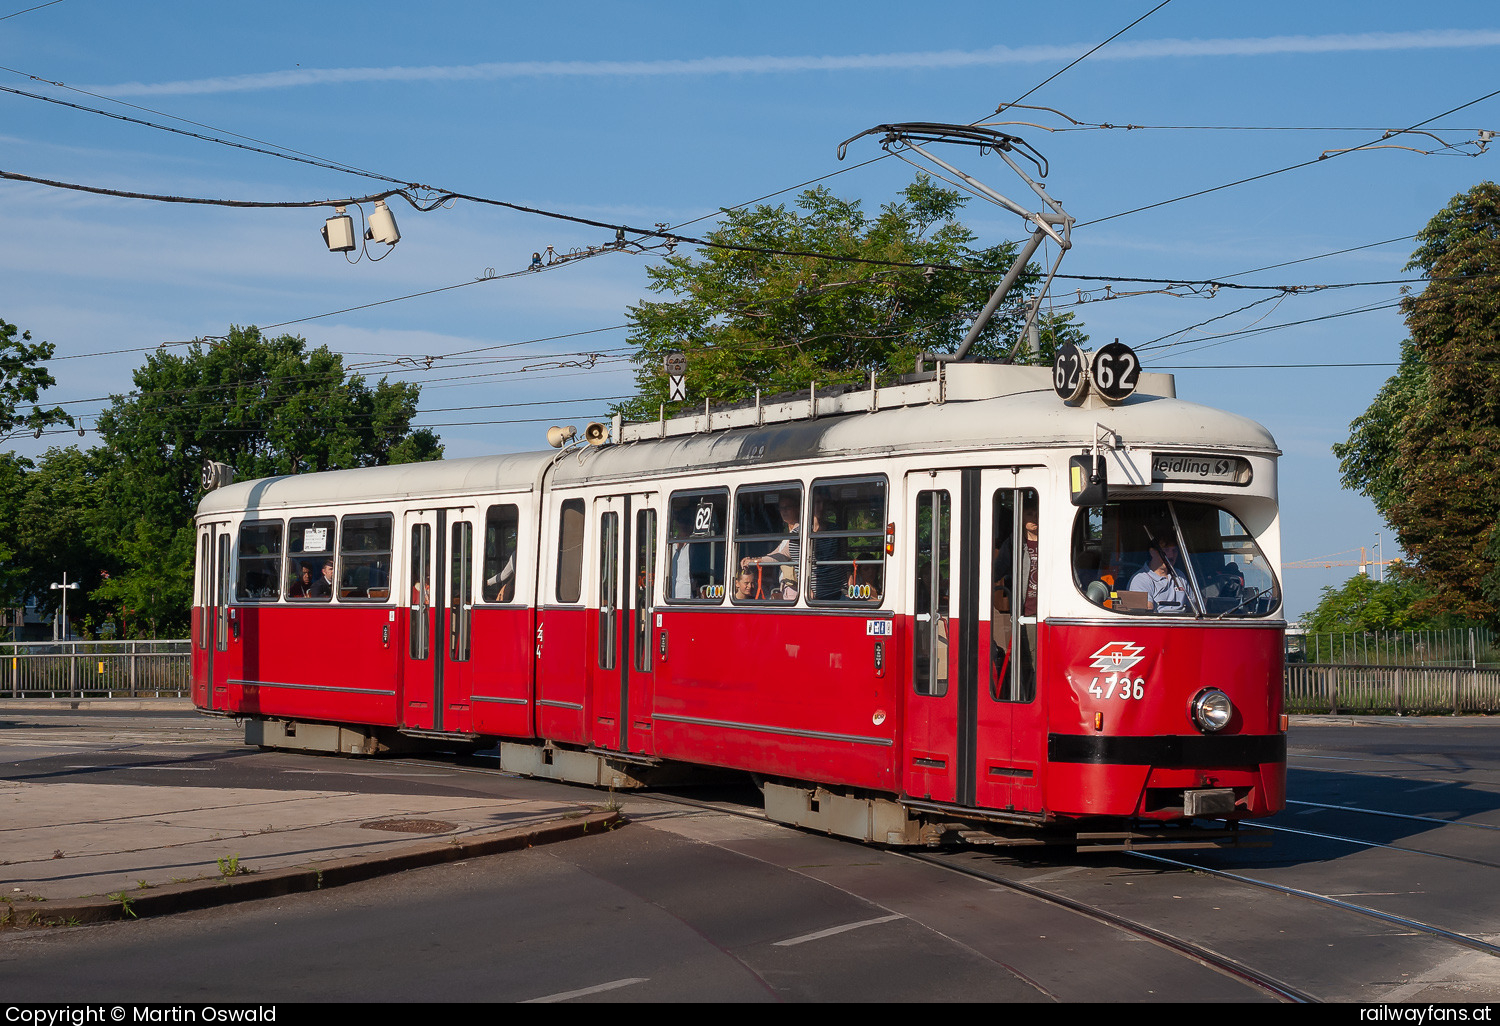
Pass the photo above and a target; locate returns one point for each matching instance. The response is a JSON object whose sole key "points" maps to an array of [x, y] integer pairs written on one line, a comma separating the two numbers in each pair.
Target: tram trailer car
{"points": [[883, 604]]}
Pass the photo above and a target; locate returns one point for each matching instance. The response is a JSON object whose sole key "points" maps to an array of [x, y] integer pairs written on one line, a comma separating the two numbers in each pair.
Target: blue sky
{"points": [[644, 113]]}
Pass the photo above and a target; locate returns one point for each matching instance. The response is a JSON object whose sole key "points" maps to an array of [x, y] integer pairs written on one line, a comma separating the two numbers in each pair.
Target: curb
{"points": [[200, 894]]}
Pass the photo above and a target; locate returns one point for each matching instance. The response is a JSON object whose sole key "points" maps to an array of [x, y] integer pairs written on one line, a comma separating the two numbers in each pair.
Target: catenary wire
{"points": [[1278, 171]]}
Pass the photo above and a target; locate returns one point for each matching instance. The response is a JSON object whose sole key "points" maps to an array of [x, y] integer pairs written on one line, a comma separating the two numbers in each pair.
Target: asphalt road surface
{"points": [[1387, 862]]}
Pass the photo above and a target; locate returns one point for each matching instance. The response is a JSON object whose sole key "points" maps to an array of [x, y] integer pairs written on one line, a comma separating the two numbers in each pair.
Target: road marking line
{"points": [[585, 992], [835, 930]]}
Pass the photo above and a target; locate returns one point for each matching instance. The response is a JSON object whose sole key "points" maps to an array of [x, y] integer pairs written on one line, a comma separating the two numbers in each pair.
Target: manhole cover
{"points": [[410, 826]]}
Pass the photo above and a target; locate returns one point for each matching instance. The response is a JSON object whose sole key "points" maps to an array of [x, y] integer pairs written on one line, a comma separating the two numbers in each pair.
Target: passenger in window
{"points": [[745, 583], [501, 586], [682, 572], [790, 549], [1004, 556], [302, 585], [323, 588], [828, 576]]}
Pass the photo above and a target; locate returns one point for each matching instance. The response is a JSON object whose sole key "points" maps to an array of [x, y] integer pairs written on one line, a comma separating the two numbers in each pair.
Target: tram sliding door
{"points": [[437, 677], [975, 716], [623, 659], [212, 628], [1011, 726], [933, 718]]}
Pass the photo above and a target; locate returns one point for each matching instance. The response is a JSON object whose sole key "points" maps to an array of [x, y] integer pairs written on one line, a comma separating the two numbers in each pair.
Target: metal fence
{"points": [[1461, 646], [1368, 688], [95, 669]]}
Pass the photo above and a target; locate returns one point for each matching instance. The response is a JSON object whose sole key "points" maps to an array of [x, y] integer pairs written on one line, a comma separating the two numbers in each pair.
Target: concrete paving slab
{"points": [[77, 852]]}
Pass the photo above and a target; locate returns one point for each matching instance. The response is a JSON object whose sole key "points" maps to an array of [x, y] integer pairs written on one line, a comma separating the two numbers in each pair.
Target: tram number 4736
{"points": [[1129, 688]]}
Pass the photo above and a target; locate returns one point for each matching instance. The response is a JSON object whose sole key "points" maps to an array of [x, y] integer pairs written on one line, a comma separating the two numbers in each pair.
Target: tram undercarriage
{"points": [[871, 819]]}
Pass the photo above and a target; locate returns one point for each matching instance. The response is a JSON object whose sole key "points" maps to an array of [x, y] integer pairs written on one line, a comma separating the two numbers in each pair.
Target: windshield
{"points": [[1171, 558]]}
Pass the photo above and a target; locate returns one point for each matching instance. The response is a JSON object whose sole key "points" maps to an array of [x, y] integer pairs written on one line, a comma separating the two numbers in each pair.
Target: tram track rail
{"points": [[1388, 918], [1363, 842], [1435, 821], [1231, 967], [1277, 989], [1203, 955]]}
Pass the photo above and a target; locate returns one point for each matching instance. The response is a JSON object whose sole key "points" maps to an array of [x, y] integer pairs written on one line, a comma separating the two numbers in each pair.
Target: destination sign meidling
{"points": [[1229, 470]]}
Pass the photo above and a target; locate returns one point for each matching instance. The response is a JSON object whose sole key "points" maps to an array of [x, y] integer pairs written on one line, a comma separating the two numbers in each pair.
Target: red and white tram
{"points": [[883, 603]]}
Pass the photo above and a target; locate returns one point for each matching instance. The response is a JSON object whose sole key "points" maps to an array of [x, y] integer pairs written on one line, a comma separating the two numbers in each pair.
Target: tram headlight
{"points": [[1211, 710]]}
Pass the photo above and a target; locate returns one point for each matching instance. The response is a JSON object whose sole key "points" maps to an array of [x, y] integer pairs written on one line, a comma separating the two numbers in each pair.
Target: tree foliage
{"points": [[22, 379], [1361, 605], [1427, 451], [156, 587], [747, 319], [119, 518], [265, 406]]}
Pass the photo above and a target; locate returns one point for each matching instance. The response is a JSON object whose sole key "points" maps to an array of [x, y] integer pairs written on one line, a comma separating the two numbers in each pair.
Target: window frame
{"points": [[240, 560], [571, 514], [721, 539], [330, 551], [737, 540], [876, 532], [498, 560], [371, 554]]}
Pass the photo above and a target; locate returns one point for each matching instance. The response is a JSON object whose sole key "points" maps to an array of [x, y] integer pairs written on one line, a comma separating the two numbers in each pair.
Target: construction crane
{"points": [[1363, 562]]}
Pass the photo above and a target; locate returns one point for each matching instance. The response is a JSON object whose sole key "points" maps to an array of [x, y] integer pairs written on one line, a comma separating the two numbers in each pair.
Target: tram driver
{"points": [[1162, 581]]}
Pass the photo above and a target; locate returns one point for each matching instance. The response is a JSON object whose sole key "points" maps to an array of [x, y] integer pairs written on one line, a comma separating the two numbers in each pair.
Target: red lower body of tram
{"points": [[820, 699]]}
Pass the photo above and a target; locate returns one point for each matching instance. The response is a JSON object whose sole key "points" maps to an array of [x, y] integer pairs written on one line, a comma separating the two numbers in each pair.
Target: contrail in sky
{"points": [[766, 65]]}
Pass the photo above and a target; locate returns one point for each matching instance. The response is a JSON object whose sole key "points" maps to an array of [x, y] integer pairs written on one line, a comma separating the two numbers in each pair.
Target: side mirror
{"points": [[1088, 480]]}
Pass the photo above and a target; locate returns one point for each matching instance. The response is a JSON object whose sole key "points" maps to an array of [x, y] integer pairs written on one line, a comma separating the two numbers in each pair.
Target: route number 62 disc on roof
{"points": [[1116, 372]]}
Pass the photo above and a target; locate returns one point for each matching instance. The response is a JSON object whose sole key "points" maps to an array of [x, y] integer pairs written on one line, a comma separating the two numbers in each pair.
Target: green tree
{"points": [[154, 593], [264, 406], [61, 526], [22, 379], [1362, 605], [748, 319], [1427, 451], [12, 491], [1369, 461]]}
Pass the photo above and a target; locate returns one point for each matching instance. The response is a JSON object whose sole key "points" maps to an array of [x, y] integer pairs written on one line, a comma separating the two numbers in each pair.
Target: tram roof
{"points": [[1030, 417]]}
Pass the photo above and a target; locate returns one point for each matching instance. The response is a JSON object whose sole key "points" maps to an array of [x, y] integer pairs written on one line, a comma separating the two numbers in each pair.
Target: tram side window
{"points": [[258, 575], [931, 601], [365, 558], [767, 543], [696, 540], [309, 564], [570, 552], [1171, 558], [848, 541], [501, 533]]}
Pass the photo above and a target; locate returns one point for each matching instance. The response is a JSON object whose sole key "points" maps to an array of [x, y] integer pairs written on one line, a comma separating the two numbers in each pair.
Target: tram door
{"points": [[213, 629], [976, 728], [1011, 726], [622, 634], [437, 677]]}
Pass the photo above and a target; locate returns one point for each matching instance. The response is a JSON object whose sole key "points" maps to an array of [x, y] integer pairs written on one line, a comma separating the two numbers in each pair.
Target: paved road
{"points": [[687, 903]]}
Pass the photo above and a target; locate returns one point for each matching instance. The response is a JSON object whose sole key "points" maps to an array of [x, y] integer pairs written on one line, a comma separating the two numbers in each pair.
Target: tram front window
{"points": [[1171, 558]]}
